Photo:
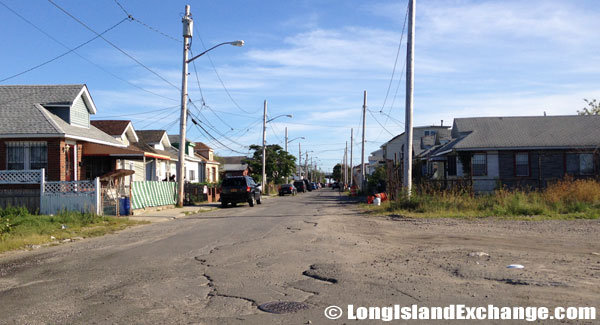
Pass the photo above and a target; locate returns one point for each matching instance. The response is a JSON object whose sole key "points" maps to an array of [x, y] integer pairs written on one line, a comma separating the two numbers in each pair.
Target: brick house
{"points": [[48, 126], [526, 152]]}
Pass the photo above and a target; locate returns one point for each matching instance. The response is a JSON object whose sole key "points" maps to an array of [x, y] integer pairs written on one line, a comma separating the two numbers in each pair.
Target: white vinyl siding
{"points": [[80, 115]]}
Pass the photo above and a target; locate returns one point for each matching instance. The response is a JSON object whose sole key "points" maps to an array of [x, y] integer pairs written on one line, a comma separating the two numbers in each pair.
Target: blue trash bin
{"points": [[124, 206]]}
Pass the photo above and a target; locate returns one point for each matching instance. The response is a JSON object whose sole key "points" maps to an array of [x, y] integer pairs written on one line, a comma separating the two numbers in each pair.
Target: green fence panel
{"points": [[152, 193]]}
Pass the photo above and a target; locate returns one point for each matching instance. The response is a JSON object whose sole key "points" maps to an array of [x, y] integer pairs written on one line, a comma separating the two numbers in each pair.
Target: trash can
{"points": [[124, 206]]}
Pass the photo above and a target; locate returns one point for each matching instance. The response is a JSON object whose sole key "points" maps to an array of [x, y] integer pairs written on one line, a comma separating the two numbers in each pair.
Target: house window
{"points": [[430, 132], [26, 155], [479, 164], [522, 164], [580, 163], [451, 165], [192, 176]]}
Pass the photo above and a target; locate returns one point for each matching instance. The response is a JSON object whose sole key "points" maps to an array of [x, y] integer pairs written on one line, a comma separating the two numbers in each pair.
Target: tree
{"points": [[279, 163], [338, 173], [593, 108]]}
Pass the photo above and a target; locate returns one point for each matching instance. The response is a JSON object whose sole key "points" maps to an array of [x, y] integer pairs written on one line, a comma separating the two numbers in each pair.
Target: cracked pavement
{"points": [[315, 248]]}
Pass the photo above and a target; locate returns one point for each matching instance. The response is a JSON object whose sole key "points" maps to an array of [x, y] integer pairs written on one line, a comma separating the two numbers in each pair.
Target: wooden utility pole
{"points": [[362, 155], [410, 60], [351, 163], [188, 28]]}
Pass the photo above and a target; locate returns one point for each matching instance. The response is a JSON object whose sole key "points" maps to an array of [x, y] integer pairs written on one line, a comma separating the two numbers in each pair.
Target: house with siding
{"points": [[48, 126], [424, 137], [164, 164], [237, 166], [136, 156], [524, 152], [208, 169], [192, 160]]}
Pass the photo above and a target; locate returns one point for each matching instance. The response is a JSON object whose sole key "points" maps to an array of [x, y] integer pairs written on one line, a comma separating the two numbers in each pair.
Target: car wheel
{"points": [[233, 204], [223, 204], [251, 201]]}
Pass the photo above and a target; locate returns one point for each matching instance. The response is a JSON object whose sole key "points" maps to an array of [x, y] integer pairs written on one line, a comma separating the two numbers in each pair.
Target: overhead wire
{"points": [[65, 53], [220, 79], [114, 45], [84, 58]]}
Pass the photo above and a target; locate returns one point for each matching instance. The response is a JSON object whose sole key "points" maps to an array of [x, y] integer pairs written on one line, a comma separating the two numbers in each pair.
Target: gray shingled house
{"points": [[48, 126], [526, 152]]}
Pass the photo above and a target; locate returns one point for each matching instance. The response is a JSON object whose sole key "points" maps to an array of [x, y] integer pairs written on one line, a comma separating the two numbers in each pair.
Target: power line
{"points": [[82, 57], [146, 25], [396, 61], [113, 45], [383, 127], [65, 53], [142, 113], [221, 80]]}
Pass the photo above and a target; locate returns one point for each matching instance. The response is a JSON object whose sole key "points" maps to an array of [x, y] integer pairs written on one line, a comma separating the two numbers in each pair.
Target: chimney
{"points": [[442, 123]]}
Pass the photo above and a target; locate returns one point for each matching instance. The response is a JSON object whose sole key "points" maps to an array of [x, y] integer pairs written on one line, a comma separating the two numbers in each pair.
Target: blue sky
{"points": [[312, 59]]}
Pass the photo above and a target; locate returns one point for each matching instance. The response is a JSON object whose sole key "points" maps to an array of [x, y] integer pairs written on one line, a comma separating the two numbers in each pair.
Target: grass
{"points": [[567, 199], [19, 229]]}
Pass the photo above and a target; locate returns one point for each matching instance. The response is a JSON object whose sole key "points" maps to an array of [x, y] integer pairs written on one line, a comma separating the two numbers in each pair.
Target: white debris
{"points": [[515, 266]]}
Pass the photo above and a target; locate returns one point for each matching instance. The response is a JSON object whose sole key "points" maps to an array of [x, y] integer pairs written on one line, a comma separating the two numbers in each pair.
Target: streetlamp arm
{"points": [[276, 117], [296, 139], [234, 43]]}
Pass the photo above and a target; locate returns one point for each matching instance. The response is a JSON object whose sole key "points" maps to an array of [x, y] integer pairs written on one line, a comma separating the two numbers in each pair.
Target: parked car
{"points": [[239, 189], [307, 183], [287, 189], [335, 185], [300, 186], [314, 186]]}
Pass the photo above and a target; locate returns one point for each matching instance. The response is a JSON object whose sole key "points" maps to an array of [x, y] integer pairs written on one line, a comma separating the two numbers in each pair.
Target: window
{"points": [[192, 176], [479, 164], [451, 165], [522, 164], [430, 132], [26, 155], [15, 157], [580, 163]]}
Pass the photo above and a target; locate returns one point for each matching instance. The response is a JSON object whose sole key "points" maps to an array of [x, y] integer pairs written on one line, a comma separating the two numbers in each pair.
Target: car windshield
{"points": [[234, 182]]}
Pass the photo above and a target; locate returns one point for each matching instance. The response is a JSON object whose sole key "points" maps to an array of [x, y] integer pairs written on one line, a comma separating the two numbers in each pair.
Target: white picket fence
{"points": [[81, 196]]}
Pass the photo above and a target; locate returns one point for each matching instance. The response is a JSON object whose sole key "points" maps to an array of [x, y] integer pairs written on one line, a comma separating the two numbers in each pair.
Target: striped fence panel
{"points": [[152, 193]]}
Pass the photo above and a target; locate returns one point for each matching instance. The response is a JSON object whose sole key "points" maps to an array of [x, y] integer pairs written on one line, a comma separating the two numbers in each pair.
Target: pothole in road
{"points": [[282, 307], [322, 272]]}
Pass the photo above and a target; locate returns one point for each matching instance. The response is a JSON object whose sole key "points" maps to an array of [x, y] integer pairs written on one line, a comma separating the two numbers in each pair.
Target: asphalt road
{"points": [[316, 249]]}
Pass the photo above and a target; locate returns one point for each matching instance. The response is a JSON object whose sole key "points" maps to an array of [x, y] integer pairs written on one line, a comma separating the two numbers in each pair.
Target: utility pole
{"points": [[351, 163], [286, 141], [362, 155], [306, 166], [410, 60], [264, 149], [299, 161], [346, 165], [188, 27]]}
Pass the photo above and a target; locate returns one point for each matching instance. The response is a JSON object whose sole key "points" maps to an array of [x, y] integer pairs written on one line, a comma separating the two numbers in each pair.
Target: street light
{"points": [[188, 27], [264, 148], [286, 149]]}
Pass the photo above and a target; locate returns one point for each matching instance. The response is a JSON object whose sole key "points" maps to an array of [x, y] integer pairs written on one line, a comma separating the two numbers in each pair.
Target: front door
{"points": [[69, 162]]}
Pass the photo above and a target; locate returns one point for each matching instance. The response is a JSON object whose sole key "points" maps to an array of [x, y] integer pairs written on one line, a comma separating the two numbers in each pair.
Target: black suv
{"points": [[300, 186], [239, 189]]}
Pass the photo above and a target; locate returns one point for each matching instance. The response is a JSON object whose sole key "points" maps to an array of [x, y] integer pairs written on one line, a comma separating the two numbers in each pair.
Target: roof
{"points": [[202, 145], [174, 138], [234, 160], [150, 136], [23, 113], [111, 127], [572, 131]]}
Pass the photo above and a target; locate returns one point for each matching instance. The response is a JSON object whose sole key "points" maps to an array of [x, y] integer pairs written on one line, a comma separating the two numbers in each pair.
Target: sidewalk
{"points": [[170, 213], [167, 214]]}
